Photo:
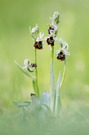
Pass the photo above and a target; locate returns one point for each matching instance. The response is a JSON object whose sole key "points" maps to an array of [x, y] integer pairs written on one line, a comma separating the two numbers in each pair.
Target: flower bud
{"points": [[56, 17], [34, 32]]}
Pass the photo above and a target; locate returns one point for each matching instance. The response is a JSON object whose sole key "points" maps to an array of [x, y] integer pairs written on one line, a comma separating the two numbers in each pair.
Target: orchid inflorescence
{"points": [[50, 99]]}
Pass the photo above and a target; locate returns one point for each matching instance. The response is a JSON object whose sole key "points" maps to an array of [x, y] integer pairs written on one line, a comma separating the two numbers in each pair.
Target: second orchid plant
{"points": [[48, 100]]}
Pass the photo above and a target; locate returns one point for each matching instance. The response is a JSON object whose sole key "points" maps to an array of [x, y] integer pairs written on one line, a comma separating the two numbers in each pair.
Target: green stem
{"points": [[53, 87], [36, 73], [63, 76], [52, 55]]}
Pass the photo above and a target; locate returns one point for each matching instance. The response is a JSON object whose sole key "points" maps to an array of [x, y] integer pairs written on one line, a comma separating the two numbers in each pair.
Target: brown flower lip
{"points": [[61, 56], [50, 41], [38, 45], [33, 64]]}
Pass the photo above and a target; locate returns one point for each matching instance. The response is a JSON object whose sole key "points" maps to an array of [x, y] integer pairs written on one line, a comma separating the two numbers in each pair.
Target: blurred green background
{"points": [[16, 44]]}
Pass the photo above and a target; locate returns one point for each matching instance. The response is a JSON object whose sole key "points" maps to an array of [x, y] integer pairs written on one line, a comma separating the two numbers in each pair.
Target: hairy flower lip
{"points": [[39, 41], [33, 65], [61, 56], [38, 45], [50, 41]]}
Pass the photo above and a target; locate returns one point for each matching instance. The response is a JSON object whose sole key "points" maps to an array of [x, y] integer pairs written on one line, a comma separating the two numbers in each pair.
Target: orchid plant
{"points": [[48, 101]]}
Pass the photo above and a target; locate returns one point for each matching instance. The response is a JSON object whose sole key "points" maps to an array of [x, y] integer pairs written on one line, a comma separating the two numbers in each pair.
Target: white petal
{"points": [[55, 38], [41, 35], [58, 51], [52, 32], [61, 41], [36, 28], [45, 38], [55, 27], [26, 62], [33, 30], [66, 52]]}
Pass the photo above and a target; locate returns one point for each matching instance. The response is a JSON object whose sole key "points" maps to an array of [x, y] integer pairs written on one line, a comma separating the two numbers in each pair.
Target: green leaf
{"points": [[45, 98], [58, 85], [46, 109], [35, 102], [58, 101], [25, 71], [22, 104]]}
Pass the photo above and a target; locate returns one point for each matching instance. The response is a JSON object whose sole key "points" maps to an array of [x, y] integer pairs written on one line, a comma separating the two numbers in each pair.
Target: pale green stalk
{"points": [[52, 55], [63, 76], [52, 81], [36, 73]]}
